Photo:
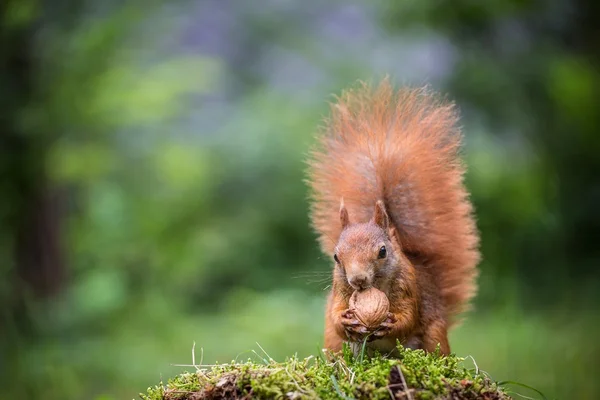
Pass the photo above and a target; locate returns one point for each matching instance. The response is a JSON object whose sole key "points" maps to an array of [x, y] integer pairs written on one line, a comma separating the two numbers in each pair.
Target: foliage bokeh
{"points": [[152, 181]]}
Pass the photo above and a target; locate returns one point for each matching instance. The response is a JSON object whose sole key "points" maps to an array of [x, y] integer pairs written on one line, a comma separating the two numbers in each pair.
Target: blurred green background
{"points": [[152, 196]]}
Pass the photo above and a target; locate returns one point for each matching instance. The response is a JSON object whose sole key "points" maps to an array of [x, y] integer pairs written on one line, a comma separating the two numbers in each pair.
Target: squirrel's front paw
{"points": [[385, 328], [355, 330]]}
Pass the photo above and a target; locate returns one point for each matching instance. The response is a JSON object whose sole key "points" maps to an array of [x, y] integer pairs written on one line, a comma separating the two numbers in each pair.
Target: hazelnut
{"points": [[371, 306]]}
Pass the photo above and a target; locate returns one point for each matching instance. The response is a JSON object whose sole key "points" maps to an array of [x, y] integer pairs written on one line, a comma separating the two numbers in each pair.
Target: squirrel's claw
{"points": [[391, 319], [356, 333], [355, 330], [381, 332], [386, 326]]}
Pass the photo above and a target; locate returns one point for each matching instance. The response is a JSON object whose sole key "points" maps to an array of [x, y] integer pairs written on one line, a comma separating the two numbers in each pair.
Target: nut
{"points": [[371, 306]]}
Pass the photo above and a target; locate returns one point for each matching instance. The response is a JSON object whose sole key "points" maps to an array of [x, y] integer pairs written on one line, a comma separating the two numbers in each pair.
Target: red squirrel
{"points": [[391, 210]]}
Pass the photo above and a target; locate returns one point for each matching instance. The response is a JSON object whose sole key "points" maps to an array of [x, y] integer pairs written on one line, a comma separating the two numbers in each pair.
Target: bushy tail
{"points": [[401, 147]]}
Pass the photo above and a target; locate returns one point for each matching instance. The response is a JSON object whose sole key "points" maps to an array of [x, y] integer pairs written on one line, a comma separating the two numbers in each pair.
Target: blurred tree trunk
{"points": [[31, 217], [38, 256]]}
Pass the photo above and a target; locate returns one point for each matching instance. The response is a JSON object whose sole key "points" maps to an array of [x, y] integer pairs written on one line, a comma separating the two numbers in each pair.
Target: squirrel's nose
{"points": [[359, 282]]}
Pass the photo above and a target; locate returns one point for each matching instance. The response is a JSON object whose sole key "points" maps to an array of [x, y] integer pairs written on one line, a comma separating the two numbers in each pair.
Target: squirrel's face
{"points": [[365, 255]]}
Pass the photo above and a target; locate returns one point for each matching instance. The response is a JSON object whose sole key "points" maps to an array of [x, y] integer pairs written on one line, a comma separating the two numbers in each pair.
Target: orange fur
{"points": [[401, 147]]}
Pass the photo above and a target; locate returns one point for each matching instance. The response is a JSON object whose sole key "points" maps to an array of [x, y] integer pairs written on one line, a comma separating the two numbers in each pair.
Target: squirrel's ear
{"points": [[344, 218], [381, 217]]}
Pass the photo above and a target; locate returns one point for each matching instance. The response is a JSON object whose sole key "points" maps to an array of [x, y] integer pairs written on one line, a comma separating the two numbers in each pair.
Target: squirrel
{"points": [[390, 208]]}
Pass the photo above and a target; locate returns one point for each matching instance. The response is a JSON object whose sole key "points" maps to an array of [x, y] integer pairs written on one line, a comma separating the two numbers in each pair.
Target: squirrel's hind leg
{"points": [[436, 333]]}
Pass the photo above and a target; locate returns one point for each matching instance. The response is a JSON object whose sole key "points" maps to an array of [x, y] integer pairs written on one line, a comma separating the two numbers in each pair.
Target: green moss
{"points": [[427, 376]]}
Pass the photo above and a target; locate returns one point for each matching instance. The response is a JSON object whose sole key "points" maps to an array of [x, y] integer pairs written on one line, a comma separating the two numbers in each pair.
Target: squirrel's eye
{"points": [[382, 252], [335, 257]]}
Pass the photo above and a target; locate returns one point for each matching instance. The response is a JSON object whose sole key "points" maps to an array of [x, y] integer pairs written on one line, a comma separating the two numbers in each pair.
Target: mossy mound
{"points": [[415, 375]]}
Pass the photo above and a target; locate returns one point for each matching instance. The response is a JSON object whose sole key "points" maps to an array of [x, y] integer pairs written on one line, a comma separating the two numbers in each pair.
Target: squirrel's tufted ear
{"points": [[380, 217], [344, 218]]}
